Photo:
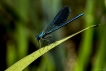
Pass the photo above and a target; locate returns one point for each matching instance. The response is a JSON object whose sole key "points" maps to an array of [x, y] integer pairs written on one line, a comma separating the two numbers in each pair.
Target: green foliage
{"points": [[21, 20], [23, 63]]}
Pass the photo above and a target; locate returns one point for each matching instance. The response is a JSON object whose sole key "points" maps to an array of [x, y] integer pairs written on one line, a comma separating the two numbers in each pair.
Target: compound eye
{"points": [[37, 37]]}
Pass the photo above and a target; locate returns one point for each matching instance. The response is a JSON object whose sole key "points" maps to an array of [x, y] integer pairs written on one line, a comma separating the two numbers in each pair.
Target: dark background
{"points": [[22, 20]]}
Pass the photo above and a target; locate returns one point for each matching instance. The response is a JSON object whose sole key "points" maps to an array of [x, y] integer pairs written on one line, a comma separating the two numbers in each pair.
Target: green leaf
{"points": [[24, 62]]}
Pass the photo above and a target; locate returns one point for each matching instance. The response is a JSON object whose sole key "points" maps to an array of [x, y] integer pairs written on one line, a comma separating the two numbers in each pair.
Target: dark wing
{"points": [[59, 19], [63, 24]]}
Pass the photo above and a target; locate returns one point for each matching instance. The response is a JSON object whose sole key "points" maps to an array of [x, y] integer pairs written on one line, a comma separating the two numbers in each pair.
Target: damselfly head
{"points": [[38, 38]]}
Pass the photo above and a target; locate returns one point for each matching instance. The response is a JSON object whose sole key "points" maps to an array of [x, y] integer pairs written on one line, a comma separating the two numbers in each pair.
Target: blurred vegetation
{"points": [[22, 20]]}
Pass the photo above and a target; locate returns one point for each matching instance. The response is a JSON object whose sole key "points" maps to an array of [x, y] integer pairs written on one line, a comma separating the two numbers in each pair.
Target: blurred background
{"points": [[22, 20]]}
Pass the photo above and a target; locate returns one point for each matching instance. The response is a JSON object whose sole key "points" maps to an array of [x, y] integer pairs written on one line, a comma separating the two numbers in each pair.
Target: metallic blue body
{"points": [[41, 34], [58, 22]]}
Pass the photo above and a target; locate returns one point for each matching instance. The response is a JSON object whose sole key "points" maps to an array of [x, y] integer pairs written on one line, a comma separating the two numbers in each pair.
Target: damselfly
{"points": [[58, 22]]}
